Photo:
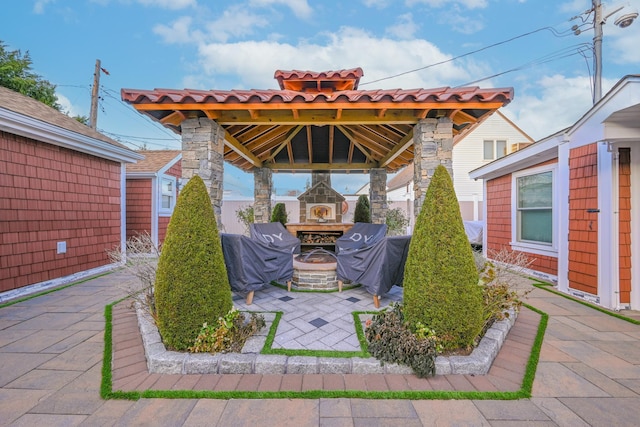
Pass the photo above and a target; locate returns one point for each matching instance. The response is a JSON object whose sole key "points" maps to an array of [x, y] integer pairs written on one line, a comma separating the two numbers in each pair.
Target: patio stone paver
{"points": [[588, 375]]}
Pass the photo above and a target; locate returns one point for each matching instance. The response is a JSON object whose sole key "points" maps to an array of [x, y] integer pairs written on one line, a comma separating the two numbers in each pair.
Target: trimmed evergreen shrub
{"points": [[441, 288], [279, 214], [191, 285], [362, 212]]}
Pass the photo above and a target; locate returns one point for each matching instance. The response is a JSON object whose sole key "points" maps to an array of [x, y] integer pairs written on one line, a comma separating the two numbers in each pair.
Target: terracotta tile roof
{"points": [[319, 81], [253, 96], [153, 161], [30, 107]]}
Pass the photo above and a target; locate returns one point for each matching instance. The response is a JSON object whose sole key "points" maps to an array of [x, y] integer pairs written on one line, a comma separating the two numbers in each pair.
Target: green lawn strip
{"points": [[362, 339], [532, 363], [106, 391], [547, 288], [106, 386], [48, 291], [319, 291]]}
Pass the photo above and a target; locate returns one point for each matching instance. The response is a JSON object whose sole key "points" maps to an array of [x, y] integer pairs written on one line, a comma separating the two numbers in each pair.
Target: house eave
{"points": [[28, 127]]}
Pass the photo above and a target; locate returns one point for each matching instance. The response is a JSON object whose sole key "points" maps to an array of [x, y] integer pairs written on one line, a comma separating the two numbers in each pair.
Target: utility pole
{"points": [[598, 22], [93, 115]]}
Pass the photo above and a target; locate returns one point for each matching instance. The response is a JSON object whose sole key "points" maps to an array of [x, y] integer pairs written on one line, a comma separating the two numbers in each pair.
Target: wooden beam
{"points": [[356, 143], [174, 118], [321, 166], [285, 143], [310, 144], [236, 146], [402, 145], [332, 133]]}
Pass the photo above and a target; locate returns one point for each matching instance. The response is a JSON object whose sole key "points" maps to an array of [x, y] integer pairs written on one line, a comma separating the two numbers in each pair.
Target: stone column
{"points": [[378, 195], [432, 146], [262, 187], [203, 155]]}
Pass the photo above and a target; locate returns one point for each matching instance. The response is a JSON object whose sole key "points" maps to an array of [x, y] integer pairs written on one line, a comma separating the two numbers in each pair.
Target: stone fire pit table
{"points": [[315, 270]]}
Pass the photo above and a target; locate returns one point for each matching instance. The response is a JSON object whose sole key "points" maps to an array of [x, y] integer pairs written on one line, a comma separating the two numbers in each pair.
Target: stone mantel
{"points": [[294, 228]]}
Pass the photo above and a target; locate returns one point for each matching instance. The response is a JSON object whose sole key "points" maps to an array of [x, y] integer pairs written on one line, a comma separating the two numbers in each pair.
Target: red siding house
{"points": [[61, 193], [571, 204], [152, 190]]}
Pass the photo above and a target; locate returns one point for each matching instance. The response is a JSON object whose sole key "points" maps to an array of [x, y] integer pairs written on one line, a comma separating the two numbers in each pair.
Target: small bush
{"points": [[441, 280], [228, 334], [279, 214], [246, 216], [391, 340], [191, 285], [362, 212], [140, 258], [396, 222]]}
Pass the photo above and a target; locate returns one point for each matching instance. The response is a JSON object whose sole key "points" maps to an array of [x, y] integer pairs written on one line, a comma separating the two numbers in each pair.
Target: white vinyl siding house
{"points": [[469, 154]]}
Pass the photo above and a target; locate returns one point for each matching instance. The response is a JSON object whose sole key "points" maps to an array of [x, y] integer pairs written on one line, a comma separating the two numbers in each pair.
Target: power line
{"points": [[555, 32]]}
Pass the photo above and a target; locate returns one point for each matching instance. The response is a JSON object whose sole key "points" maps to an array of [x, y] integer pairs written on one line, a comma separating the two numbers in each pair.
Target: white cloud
{"points": [[300, 8], [255, 61], [469, 4], [465, 24], [67, 107], [559, 103], [39, 5], [574, 6], [236, 21], [379, 4], [169, 4], [405, 28], [178, 32]]}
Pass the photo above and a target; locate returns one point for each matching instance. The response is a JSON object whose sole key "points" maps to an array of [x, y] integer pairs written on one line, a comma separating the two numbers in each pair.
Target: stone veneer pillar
{"points": [[203, 155], [262, 185], [378, 195], [432, 146]]}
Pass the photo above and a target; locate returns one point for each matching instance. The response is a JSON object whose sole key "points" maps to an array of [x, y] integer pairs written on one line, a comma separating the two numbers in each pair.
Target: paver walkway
{"points": [[51, 359]]}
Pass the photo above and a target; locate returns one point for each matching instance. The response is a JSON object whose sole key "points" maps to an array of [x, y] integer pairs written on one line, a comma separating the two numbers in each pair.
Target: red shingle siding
{"points": [[583, 226], [499, 205], [138, 206], [624, 227], [50, 194], [175, 170]]}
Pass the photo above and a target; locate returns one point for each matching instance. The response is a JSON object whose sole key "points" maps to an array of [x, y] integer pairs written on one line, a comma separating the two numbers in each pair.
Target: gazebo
{"points": [[317, 121]]}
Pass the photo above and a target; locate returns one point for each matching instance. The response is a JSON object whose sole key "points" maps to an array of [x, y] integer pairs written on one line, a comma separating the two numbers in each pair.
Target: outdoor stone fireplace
{"points": [[321, 210]]}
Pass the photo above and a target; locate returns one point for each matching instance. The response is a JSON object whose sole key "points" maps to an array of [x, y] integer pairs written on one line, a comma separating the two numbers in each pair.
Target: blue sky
{"points": [[146, 44]]}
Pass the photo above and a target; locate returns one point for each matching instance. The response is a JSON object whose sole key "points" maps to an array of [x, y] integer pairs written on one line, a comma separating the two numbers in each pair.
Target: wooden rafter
{"points": [[310, 143], [400, 147], [241, 150], [332, 133]]}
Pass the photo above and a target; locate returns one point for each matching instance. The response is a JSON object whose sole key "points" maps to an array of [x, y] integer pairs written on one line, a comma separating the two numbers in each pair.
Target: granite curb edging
{"points": [[250, 361]]}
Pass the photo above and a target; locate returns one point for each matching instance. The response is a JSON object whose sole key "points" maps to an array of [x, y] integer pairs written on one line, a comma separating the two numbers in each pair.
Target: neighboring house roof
{"points": [[22, 115], [403, 177], [319, 120], [547, 148], [154, 161]]}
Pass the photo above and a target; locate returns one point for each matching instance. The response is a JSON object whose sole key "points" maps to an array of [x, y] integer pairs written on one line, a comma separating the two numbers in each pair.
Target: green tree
{"points": [[191, 285], [246, 216], [16, 74], [279, 214], [441, 288], [362, 212], [396, 222]]}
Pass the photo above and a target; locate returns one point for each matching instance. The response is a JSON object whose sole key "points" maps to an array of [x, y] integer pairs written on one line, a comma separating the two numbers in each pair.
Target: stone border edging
{"points": [[250, 361]]}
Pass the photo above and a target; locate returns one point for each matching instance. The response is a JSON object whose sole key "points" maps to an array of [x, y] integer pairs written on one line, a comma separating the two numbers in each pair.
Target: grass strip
{"points": [[106, 391], [548, 287]]}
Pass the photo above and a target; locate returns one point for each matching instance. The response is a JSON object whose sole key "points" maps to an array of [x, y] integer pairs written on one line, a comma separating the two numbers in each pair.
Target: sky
{"points": [[145, 44]]}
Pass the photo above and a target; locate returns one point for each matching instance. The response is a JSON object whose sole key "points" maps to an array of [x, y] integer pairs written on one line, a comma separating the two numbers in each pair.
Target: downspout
{"points": [[616, 224]]}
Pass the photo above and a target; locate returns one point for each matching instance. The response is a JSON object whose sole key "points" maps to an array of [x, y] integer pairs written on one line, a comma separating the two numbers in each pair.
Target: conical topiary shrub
{"points": [[440, 279], [279, 214], [362, 212], [191, 281]]}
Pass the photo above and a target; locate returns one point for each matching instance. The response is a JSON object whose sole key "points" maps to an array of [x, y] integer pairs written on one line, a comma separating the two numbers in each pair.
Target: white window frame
{"points": [[162, 210], [528, 246], [494, 150]]}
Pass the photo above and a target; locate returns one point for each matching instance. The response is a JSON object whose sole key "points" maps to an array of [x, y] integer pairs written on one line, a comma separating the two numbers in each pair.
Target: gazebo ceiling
{"points": [[319, 121]]}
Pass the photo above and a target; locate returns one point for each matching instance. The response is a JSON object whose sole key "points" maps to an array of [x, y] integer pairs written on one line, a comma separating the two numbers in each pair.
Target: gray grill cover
{"points": [[274, 234], [360, 236], [376, 267], [252, 264]]}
